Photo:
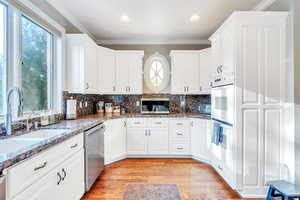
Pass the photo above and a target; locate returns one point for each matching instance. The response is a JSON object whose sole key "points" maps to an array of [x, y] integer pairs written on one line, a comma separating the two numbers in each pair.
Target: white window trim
{"points": [[166, 68], [14, 55]]}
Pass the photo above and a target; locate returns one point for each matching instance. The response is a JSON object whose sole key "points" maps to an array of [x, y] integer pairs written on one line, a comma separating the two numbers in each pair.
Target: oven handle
{"points": [[223, 122]]}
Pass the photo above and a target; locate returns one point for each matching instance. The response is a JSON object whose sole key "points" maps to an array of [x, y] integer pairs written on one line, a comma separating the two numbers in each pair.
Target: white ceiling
{"points": [[151, 19]]}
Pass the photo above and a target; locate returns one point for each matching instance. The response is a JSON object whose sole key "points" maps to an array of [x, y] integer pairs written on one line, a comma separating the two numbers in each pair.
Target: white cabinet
{"points": [[179, 136], [201, 139], [137, 141], [185, 72], [147, 136], [106, 71], [205, 70], [252, 47], [114, 140], [57, 173], [82, 69], [158, 141], [129, 72]]}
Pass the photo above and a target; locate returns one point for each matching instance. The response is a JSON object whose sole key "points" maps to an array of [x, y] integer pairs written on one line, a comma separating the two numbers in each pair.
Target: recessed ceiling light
{"points": [[125, 18], [194, 18]]}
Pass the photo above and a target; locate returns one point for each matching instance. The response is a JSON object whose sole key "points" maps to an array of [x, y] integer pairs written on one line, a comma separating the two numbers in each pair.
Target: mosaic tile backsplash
{"points": [[129, 102]]}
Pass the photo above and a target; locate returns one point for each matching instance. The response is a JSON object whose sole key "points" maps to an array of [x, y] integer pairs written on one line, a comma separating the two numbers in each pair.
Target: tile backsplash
{"points": [[129, 102]]}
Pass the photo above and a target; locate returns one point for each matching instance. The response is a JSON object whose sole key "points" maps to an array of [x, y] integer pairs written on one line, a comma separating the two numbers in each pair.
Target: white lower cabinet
{"points": [[147, 136], [137, 141], [64, 181], [158, 141], [201, 139], [114, 140]]}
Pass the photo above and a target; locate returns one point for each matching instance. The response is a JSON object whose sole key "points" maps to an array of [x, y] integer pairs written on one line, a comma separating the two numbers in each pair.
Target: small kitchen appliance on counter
{"points": [[71, 112], [100, 107], [155, 106]]}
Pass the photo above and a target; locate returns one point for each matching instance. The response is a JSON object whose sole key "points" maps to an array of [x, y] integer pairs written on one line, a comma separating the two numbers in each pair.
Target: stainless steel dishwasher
{"points": [[94, 154]]}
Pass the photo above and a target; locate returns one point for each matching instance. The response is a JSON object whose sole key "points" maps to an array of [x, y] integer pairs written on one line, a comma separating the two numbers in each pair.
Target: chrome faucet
{"points": [[8, 116]]}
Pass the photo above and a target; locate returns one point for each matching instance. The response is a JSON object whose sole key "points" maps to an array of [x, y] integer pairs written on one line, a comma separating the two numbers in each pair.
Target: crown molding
{"points": [[58, 5], [152, 42], [261, 6]]}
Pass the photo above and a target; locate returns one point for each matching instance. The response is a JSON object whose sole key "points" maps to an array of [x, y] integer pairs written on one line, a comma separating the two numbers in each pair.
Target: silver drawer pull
{"points": [[158, 123], [74, 146], [180, 134], [220, 168], [137, 122], [179, 124], [41, 167], [179, 148]]}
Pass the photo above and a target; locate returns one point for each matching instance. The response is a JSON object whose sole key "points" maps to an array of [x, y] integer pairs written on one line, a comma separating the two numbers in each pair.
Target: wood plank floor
{"points": [[196, 181]]}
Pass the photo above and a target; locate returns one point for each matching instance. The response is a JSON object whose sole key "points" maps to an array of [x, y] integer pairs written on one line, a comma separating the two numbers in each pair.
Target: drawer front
{"points": [[180, 134], [180, 124], [180, 148], [159, 123], [27, 172], [136, 123]]}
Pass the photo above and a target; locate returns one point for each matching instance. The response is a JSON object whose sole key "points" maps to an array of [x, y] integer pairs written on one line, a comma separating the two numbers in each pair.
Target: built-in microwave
{"points": [[155, 105], [222, 105]]}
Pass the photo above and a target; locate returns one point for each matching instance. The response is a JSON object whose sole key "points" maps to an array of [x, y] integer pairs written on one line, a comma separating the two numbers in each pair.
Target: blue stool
{"points": [[284, 190]]}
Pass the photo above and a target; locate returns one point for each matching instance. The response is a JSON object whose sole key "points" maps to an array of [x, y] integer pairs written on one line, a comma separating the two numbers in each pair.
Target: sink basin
{"points": [[10, 146], [43, 134]]}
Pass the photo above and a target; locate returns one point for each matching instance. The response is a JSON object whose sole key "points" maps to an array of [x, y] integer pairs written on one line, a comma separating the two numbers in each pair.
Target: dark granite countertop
{"points": [[72, 128]]}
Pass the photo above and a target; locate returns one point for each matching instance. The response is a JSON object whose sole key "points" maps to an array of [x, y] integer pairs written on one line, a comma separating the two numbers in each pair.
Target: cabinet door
{"points": [[135, 74], [227, 50], [72, 187], [136, 141], [178, 74], [205, 71], [91, 68], [216, 55], [158, 141], [107, 70], [200, 139], [123, 62], [191, 74], [118, 139]]}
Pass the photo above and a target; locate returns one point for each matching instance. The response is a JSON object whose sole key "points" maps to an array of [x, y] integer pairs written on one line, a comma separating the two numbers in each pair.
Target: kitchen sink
{"points": [[10, 147], [42, 134]]}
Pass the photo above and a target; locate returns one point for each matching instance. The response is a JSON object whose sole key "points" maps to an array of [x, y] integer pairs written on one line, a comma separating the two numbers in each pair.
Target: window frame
{"points": [[14, 61], [166, 71], [51, 66]]}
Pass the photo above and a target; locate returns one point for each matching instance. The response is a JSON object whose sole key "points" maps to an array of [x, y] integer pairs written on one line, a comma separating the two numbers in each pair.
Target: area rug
{"points": [[151, 192]]}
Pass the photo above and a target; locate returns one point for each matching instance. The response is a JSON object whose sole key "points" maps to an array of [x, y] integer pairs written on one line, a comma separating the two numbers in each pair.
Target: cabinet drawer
{"points": [[182, 124], [179, 148], [27, 172], [159, 123], [136, 123]]}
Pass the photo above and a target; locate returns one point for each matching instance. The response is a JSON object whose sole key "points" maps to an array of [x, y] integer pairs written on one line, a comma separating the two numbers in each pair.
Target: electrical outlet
{"points": [[80, 104], [86, 104], [137, 103]]}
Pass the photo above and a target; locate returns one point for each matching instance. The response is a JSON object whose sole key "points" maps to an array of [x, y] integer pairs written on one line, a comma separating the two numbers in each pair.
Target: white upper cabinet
{"points": [[223, 55], [129, 72], [205, 71], [106, 70], [185, 72], [82, 69]]}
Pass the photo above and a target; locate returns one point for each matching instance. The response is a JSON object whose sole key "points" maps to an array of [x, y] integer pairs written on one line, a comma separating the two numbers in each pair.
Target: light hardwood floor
{"points": [[196, 181]]}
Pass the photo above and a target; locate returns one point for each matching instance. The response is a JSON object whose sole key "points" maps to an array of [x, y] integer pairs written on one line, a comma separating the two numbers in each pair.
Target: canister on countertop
{"points": [[100, 107], [108, 108], [116, 109]]}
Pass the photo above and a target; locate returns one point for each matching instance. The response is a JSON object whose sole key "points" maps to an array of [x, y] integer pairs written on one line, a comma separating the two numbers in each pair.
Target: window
{"points": [[3, 11], [31, 50], [36, 66], [157, 73]]}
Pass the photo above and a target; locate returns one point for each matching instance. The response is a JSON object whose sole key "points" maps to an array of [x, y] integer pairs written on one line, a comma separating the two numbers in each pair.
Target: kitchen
{"points": [[140, 100]]}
